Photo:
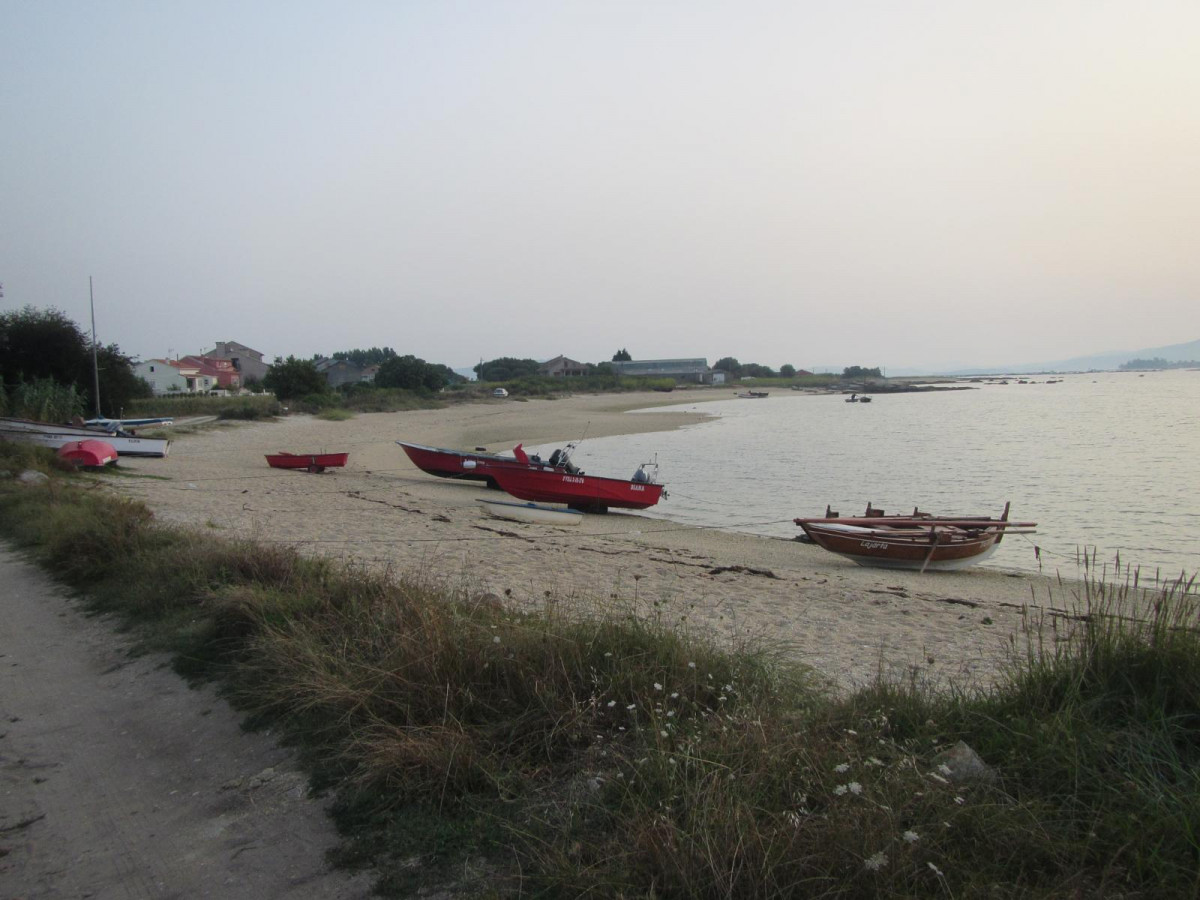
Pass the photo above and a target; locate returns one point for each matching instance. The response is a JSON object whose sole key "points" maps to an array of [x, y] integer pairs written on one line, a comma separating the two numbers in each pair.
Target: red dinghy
{"points": [[91, 454], [311, 462]]}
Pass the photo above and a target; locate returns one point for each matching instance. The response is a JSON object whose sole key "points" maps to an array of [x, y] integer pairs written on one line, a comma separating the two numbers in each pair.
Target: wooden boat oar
{"points": [[937, 535]]}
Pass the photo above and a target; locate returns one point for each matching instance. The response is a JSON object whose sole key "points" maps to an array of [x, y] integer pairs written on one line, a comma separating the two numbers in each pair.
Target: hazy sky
{"points": [[877, 183]]}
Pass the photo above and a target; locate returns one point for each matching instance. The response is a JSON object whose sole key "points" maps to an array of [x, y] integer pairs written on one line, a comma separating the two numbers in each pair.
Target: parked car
{"points": [[499, 392]]}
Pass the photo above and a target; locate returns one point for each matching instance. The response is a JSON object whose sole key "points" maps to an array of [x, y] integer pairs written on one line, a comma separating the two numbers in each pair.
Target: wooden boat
{"points": [[51, 435], [920, 541], [531, 513], [311, 462], [752, 395], [89, 453], [474, 465]]}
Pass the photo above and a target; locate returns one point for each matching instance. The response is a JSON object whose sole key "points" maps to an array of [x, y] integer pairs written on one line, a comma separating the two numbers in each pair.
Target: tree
{"points": [[787, 370], [729, 365], [45, 344], [373, 357], [861, 372], [622, 356], [411, 373], [754, 370], [506, 368], [291, 377]]}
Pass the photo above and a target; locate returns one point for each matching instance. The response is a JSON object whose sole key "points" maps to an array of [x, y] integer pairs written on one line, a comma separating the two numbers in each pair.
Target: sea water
{"points": [[1105, 463]]}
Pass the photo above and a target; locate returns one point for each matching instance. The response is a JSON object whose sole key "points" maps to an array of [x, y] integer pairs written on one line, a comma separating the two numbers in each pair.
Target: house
{"points": [[173, 376], [561, 367], [690, 370], [227, 377], [338, 372], [247, 362]]}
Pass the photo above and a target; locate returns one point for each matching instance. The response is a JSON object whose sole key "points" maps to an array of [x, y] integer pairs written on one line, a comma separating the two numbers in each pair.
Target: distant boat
{"points": [[531, 513], [752, 395], [310, 462], [853, 398], [864, 399], [920, 541]]}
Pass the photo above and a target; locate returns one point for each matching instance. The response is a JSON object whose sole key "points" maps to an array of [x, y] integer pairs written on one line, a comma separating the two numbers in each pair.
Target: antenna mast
{"points": [[95, 363]]}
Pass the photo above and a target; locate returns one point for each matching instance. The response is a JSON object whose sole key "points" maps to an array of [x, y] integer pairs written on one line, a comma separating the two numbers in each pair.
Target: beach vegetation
{"points": [[506, 368], [239, 407], [861, 372], [290, 378], [39, 347], [608, 750], [414, 374]]}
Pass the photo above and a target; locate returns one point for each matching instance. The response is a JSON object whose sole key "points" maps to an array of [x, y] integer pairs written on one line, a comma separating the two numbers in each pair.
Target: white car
{"points": [[499, 392]]}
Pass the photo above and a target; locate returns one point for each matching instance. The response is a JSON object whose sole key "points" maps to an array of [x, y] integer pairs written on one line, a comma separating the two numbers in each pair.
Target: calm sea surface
{"points": [[1108, 462]]}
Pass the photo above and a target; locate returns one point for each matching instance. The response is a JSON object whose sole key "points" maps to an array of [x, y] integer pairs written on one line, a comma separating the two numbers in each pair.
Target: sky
{"points": [[928, 184]]}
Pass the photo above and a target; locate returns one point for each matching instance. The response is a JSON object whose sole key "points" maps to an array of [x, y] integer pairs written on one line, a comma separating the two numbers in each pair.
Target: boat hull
{"points": [[457, 463], [311, 462], [53, 436], [531, 513], [917, 548], [90, 453], [589, 493]]}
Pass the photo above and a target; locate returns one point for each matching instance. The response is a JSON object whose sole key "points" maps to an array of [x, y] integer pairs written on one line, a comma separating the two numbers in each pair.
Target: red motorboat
{"points": [[90, 453], [311, 462], [475, 465], [587, 493]]}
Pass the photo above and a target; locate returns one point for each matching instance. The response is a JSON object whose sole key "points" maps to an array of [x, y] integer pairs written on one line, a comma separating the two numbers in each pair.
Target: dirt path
{"points": [[117, 780]]}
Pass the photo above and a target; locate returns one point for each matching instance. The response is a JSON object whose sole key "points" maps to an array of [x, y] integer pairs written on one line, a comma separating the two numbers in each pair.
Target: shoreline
{"points": [[844, 621]]}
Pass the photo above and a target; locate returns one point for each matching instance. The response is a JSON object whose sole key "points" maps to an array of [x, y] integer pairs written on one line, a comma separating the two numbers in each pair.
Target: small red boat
{"points": [[311, 462], [90, 453]]}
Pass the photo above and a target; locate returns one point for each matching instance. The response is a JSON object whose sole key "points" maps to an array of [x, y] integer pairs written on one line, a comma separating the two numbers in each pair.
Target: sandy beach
{"points": [[842, 620]]}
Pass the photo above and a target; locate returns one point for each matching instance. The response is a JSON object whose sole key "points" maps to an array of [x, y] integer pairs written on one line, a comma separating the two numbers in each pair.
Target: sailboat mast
{"points": [[95, 363]]}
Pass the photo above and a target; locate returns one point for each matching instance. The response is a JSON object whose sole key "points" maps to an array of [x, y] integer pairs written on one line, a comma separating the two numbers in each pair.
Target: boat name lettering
{"points": [[636, 487], [874, 545], [573, 480]]}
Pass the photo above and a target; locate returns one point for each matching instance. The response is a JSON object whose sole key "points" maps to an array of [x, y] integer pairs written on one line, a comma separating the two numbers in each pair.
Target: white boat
{"points": [[531, 513], [47, 434]]}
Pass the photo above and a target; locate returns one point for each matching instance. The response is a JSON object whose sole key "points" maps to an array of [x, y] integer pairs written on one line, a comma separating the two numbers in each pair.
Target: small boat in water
{"points": [[531, 513], [921, 541], [310, 462], [752, 395]]}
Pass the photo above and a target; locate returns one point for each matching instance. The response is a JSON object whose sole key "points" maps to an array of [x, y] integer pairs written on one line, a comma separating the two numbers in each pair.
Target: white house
{"points": [[170, 376]]}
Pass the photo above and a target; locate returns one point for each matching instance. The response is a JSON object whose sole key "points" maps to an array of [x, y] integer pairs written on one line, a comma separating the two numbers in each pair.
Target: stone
{"points": [[965, 766]]}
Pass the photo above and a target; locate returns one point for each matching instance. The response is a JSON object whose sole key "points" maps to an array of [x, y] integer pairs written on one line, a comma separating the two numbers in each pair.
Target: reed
{"points": [[608, 751]]}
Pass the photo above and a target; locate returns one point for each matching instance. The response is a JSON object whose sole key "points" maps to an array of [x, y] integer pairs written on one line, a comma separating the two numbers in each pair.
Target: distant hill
{"points": [[1102, 361]]}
